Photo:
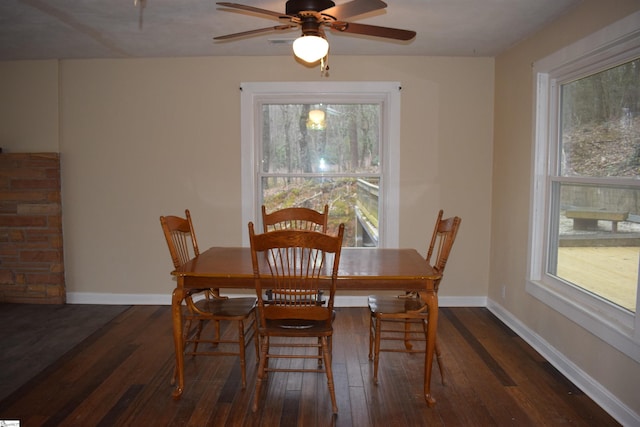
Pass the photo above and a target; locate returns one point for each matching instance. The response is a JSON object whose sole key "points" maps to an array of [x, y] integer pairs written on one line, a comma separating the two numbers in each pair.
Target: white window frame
{"points": [[611, 46], [254, 94]]}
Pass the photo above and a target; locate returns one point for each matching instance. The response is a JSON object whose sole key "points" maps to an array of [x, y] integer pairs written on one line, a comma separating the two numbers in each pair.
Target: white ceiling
{"points": [[48, 29]]}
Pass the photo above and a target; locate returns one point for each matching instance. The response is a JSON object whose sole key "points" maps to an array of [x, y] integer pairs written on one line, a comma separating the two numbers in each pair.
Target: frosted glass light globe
{"points": [[310, 48]]}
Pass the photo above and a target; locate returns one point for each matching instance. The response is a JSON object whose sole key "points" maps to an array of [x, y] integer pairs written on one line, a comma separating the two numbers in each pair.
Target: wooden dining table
{"points": [[371, 269]]}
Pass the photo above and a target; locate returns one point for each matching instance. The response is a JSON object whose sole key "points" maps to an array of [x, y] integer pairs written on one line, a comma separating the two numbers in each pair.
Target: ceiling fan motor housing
{"points": [[296, 6], [310, 26]]}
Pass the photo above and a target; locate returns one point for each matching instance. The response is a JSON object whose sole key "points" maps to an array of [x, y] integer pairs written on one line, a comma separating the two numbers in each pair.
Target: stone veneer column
{"points": [[31, 253]]}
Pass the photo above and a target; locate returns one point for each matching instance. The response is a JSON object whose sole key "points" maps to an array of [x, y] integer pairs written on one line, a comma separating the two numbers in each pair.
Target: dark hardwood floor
{"points": [[119, 375], [34, 336]]}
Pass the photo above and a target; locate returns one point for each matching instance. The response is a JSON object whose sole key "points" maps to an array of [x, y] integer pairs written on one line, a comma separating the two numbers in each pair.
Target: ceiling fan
{"points": [[313, 16]]}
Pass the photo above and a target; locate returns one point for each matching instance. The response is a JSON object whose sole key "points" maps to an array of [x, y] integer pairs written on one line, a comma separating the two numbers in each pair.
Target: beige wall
{"points": [[145, 137], [511, 201], [29, 117]]}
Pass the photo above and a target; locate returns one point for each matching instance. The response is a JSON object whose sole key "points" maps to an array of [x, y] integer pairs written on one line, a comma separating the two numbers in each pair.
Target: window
{"points": [[311, 144], [585, 233]]}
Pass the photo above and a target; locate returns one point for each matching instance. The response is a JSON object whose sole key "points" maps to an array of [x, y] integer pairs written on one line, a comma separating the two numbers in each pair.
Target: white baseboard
{"points": [[445, 301], [165, 299], [609, 402], [118, 299]]}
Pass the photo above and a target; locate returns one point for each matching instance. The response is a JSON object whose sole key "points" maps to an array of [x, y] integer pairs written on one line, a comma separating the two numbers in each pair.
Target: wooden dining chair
{"points": [[207, 305], [296, 264], [392, 318]]}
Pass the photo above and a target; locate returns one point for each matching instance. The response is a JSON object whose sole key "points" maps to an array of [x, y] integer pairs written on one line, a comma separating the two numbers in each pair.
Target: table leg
{"points": [[176, 314], [431, 298]]}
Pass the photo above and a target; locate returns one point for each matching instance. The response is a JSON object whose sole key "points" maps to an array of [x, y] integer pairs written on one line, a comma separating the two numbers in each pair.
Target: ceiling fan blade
{"points": [[372, 30], [254, 9], [252, 32], [353, 8]]}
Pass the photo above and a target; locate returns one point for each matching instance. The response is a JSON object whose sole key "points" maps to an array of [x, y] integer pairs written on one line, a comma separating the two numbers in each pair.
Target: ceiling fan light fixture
{"points": [[310, 48]]}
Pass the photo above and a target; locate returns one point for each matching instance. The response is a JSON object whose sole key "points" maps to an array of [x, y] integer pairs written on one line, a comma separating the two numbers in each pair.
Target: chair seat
{"points": [[382, 304], [295, 327], [229, 308]]}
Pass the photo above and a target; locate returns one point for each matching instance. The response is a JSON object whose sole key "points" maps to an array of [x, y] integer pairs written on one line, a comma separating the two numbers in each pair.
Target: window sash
{"points": [[254, 95]]}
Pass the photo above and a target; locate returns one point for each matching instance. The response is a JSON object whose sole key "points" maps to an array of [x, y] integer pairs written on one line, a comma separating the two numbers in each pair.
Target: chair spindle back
{"points": [[181, 238], [295, 265]]}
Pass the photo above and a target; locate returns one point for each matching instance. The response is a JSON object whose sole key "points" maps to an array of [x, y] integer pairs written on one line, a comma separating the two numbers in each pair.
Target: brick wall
{"points": [[31, 253]]}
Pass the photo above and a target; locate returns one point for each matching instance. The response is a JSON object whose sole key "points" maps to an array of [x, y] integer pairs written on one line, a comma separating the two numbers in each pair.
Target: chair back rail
{"points": [[295, 218]]}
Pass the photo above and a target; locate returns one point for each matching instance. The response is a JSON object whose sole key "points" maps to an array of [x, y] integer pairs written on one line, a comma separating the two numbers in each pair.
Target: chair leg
{"points": [[185, 335], [217, 322], [197, 336], [407, 335], [264, 350], [376, 350], [320, 354], [243, 362], [437, 351], [329, 372], [439, 359], [372, 333], [256, 340]]}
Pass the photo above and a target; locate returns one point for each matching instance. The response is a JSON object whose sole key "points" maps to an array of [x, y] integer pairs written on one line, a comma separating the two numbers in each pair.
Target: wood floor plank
{"points": [[120, 375]]}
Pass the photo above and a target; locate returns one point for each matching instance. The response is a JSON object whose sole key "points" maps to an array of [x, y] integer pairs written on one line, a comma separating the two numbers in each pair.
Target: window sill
{"points": [[619, 332]]}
